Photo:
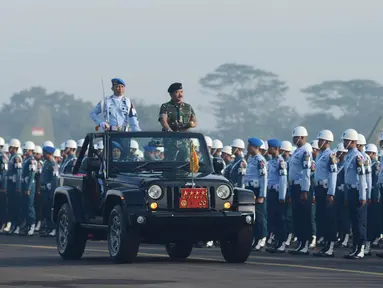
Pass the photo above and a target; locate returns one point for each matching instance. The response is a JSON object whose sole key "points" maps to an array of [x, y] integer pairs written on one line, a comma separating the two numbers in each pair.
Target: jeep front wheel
{"points": [[236, 247], [123, 240], [70, 237], [179, 251]]}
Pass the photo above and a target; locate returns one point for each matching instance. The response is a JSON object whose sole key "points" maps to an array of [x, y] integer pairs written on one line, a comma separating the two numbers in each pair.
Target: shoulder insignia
{"points": [[243, 164], [367, 162], [283, 164], [307, 155]]}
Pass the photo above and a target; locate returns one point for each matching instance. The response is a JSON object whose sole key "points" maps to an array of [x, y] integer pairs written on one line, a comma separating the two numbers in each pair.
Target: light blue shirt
{"points": [[354, 172], [256, 174], [277, 176], [326, 170], [300, 167], [119, 112], [238, 171]]}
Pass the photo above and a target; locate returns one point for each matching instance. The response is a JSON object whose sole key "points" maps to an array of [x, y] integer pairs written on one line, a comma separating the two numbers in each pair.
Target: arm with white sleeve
{"points": [[306, 172], [282, 179], [333, 174], [262, 168], [368, 169], [360, 171], [132, 119]]}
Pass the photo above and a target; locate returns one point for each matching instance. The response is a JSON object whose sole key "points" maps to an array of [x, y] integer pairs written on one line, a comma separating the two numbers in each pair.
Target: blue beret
{"points": [[150, 148], [49, 150], [274, 143], [174, 87], [117, 81], [255, 142], [116, 145]]}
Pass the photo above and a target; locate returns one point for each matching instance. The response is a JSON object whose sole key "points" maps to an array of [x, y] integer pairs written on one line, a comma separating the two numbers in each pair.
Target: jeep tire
{"points": [[70, 237], [179, 250], [236, 247], [123, 240]]}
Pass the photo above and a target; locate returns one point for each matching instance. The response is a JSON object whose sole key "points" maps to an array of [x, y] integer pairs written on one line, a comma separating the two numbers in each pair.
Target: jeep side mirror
{"points": [[218, 165]]}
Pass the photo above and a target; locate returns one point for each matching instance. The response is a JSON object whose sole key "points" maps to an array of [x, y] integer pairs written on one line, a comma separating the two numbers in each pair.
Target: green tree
{"points": [[358, 103], [247, 101]]}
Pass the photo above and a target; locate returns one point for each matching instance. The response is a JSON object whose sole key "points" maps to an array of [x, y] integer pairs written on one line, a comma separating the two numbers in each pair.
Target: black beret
{"points": [[174, 87]]}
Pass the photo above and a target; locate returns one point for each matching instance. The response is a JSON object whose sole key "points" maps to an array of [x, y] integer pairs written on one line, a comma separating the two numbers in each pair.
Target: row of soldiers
{"points": [[308, 192], [28, 178]]}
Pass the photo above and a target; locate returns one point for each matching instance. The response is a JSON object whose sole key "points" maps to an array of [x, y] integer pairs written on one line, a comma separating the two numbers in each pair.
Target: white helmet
{"points": [[340, 148], [264, 145], [314, 144], [350, 134], [71, 144], [209, 142], [133, 144], [57, 153], [48, 144], [227, 150], [29, 145], [300, 131], [14, 143], [361, 140], [309, 147], [372, 148], [161, 149], [2, 142], [217, 144], [80, 143], [286, 146], [238, 143], [326, 135], [38, 150], [196, 142], [5, 148], [62, 146]]}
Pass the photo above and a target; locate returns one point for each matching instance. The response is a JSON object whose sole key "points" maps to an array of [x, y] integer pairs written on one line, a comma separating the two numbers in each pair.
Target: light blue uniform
{"points": [[356, 185], [277, 176], [300, 167], [325, 177], [118, 111], [256, 180]]}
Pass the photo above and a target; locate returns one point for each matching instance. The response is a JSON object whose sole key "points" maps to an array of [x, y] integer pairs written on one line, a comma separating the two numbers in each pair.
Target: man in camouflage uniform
{"points": [[176, 116]]}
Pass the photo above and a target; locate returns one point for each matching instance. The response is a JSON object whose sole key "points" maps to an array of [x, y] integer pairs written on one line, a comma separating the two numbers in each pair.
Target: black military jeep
{"points": [[129, 196]]}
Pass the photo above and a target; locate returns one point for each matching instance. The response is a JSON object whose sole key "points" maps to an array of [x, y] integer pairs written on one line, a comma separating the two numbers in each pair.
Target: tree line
{"points": [[244, 100]]}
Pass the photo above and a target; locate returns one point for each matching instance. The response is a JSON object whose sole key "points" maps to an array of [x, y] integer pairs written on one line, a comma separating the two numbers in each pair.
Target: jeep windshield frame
{"points": [[168, 164]]}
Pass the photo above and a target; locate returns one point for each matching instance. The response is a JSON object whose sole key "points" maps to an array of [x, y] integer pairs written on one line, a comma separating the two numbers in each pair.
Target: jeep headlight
{"points": [[155, 192], [223, 192]]}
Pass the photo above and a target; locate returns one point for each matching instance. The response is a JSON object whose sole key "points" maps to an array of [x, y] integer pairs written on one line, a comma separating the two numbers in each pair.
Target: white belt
{"points": [[321, 183], [274, 187], [352, 186], [252, 183], [296, 182]]}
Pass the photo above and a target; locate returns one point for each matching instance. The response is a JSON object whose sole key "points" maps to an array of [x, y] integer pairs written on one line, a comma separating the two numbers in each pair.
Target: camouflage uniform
{"points": [[179, 117]]}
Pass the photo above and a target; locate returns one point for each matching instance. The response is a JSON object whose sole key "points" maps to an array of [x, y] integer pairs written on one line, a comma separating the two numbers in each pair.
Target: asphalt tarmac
{"points": [[34, 262]]}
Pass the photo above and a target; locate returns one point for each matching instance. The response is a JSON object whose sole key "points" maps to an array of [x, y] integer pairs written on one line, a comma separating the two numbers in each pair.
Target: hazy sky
{"points": [[69, 45]]}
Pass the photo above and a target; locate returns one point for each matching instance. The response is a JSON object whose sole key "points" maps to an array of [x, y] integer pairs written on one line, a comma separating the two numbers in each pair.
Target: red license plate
{"points": [[194, 198]]}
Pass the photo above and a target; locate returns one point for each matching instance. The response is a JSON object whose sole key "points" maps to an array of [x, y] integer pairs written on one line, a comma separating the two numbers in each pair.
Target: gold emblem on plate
{"points": [[183, 203]]}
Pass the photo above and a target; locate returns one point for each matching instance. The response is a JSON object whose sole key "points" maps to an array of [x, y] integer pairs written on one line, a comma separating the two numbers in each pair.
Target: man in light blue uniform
{"points": [[299, 180], [256, 180], [343, 218], [276, 195], [325, 185], [374, 208], [238, 168], [360, 145], [356, 193], [118, 111]]}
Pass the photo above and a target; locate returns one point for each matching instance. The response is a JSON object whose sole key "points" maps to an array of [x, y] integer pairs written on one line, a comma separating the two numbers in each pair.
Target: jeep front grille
{"points": [[173, 196]]}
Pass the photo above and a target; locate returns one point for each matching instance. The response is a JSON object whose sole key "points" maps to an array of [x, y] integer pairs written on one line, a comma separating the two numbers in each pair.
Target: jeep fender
{"points": [[73, 197], [244, 200]]}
